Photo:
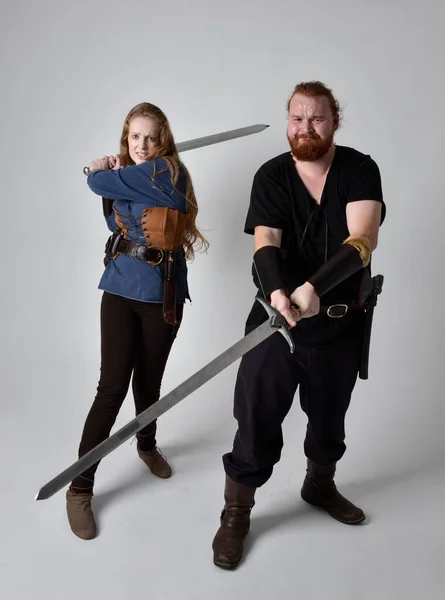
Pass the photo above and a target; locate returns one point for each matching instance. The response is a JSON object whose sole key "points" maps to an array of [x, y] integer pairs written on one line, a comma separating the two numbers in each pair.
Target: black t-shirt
{"points": [[313, 232]]}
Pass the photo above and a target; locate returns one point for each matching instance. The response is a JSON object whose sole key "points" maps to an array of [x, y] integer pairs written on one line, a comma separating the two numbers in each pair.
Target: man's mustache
{"points": [[307, 136]]}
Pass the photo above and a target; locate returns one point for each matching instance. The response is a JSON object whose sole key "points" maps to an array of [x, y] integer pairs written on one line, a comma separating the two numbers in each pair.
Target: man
{"points": [[315, 214]]}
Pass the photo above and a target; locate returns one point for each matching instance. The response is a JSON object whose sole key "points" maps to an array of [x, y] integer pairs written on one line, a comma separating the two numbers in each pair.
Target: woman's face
{"points": [[143, 138]]}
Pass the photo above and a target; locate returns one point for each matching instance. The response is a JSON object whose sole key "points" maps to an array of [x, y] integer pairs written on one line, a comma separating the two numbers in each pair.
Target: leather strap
{"points": [[170, 288], [154, 256], [117, 244]]}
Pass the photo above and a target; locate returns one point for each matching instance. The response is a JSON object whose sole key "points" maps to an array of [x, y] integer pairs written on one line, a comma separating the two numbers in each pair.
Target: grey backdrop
{"points": [[70, 72]]}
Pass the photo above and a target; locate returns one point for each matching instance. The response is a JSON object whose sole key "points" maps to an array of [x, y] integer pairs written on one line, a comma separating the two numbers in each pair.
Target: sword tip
{"points": [[41, 495]]}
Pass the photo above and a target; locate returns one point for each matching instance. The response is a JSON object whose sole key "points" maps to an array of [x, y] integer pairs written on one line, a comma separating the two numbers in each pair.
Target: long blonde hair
{"points": [[193, 238]]}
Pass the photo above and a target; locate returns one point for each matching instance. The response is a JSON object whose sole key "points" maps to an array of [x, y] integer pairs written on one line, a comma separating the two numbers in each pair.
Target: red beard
{"points": [[313, 148]]}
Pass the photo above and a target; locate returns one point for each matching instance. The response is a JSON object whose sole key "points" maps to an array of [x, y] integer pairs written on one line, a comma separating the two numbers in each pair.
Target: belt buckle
{"points": [[332, 316], [161, 259]]}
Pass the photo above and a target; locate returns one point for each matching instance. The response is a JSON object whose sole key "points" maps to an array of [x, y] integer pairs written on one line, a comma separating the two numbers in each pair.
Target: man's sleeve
{"points": [[367, 184], [268, 204]]}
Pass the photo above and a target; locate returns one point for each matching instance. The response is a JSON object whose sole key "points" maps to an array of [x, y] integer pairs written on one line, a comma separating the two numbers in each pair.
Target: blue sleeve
{"points": [[129, 183]]}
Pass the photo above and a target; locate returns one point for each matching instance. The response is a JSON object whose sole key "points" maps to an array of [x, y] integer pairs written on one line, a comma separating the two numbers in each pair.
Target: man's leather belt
{"points": [[337, 311]]}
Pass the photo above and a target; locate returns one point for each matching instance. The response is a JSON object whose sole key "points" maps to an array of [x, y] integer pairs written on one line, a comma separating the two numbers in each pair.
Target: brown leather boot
{"points": [[235, 522], [80, 515], [320, 490], [157, 464]]}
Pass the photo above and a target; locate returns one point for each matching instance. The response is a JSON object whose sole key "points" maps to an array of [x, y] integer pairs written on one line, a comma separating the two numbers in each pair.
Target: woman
{"points": [[152, 216]]}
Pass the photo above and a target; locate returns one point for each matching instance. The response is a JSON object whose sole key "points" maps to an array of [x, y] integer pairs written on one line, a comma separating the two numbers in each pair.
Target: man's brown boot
{"points": [[235, 522], [157, 464], [320, 490], [80, 515]]}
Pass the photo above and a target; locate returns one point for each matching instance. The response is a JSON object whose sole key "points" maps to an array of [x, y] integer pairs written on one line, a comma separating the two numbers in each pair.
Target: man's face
{"points": [[311, 127]]}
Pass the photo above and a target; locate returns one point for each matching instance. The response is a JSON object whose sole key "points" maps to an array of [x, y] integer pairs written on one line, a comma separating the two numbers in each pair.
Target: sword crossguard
{"points": [[278, 321]]}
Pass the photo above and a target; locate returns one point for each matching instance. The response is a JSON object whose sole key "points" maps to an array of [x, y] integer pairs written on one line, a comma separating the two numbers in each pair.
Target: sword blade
{"points": [[220, 137], [215, 138], [164, 404]]}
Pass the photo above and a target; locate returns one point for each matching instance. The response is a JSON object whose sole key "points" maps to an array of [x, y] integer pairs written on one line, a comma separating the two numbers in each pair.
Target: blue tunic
{"points": [[134, 189]]}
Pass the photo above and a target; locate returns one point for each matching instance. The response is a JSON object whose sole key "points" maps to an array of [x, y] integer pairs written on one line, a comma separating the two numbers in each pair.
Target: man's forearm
{"points": [[354, 254]]}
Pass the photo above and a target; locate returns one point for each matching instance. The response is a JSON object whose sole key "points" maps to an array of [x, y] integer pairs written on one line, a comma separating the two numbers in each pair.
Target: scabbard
{"points": [[169, 307], [107, 207], [369, 305], [366, 344]]}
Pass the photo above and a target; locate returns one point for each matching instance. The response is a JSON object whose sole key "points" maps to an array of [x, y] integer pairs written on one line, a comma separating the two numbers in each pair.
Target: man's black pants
{"points": [[268, 378]]}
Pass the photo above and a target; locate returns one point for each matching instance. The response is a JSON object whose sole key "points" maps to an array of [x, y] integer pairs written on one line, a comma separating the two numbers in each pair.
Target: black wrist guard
{"points": [[352, 256], [267, 269]]}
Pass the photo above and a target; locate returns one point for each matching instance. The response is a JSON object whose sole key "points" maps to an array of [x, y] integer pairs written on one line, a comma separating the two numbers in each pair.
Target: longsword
{"points": [[275, 323], [215, 138]]}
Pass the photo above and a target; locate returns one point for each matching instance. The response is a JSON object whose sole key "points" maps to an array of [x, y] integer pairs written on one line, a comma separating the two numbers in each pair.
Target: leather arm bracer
{"points": [[267, 266], [353, 255]]}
